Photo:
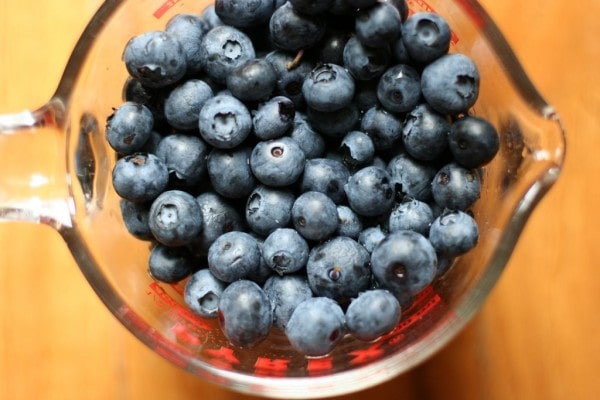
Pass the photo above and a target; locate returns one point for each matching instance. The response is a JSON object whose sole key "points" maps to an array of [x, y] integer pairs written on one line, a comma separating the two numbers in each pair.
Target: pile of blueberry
{"points": [[307, 165]]}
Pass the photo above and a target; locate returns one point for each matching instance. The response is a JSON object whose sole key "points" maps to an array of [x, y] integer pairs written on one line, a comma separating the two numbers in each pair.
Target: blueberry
{"points": [[245, 314], [244, 13], [383, 127], [175, 218], [454, 233], [129, 127], [210, 17], [135, 218], [328, 87], [370, 191], [285, 293], [269, 208], [202, 293], [473, 141], [331, 48], [184, 102], [135, 91], [450, 84], [365, 94], [140, 177], [334, 124], [314, 216], [411, 215], [401, 6], [339, 269], [155, 58], [311, 7], [405, 262], [224, 121], [425, 133], [310, 141], [411, 177], [290, 75], [218, 217], [399, 52], [399, 88], [188, 29], [277, 162], [327, 176], [263, 272], [285, 251], [357, 149], [152, 144], [274, 118], [233, 255], [170, 264], [426, 36], [222, 49], [370, 237], [230, 173], [363, 62], [372, 314], [349, 223], [184, 156], [356, 4], [455, 187], [292, 31], [378, 25], [316, 326], [252, 80]]}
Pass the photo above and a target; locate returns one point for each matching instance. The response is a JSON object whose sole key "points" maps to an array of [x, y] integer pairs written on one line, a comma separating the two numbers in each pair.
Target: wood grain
{"points": [[535, 338]]}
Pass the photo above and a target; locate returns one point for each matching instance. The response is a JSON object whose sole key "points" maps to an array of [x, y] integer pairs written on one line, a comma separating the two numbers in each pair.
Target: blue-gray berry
{"points": [[285, 293], [129, 127], [370, 191], [372, 314], [156, 58], [454, 233], [339, 268], [140, 177], [316, 326], [285, 251], [314, 215], [202, 293], [245, 313], [234, 255], [405, 262], [175, 218]]}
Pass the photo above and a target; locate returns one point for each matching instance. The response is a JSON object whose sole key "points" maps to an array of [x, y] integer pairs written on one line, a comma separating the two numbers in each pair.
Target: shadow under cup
{"points": [[115, 263]]}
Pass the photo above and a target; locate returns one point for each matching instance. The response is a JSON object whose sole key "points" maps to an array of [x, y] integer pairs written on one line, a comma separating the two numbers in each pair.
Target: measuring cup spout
{"points": [[33, 176]]}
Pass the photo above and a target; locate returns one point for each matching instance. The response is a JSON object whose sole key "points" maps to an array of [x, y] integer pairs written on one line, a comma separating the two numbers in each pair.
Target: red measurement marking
{"points": [[370, 353], [166, 6], [394, 340], [271, 367], [420, 310], [223, 357], [319, 366], [183, 335], [418, 5], [423, 310]]}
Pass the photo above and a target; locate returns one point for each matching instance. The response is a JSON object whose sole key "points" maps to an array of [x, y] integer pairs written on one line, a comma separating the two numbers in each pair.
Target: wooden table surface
{"points": [[537, 337]]}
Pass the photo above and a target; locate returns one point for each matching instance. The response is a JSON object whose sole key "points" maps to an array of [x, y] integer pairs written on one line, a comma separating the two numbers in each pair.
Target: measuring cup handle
{"points": [[33, 177]]}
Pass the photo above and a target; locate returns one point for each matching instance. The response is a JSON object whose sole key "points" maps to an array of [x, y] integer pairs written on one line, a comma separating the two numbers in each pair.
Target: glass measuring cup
{"points": [[74, 196]]}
